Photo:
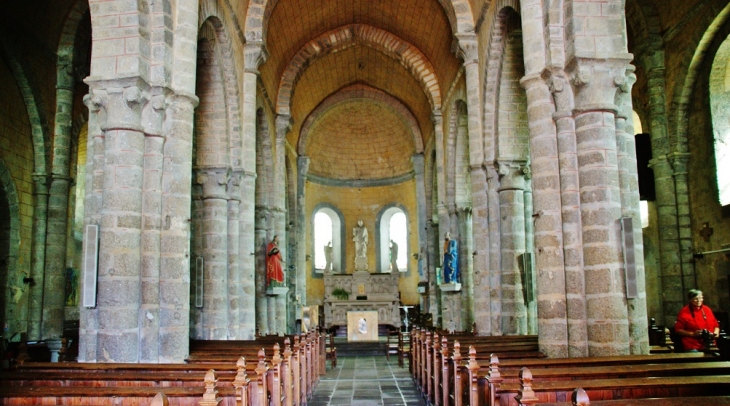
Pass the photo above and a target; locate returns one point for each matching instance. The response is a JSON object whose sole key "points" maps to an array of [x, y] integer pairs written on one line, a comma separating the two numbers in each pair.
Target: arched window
{"points": [[393, 239], [327, 246], [720, 109]]}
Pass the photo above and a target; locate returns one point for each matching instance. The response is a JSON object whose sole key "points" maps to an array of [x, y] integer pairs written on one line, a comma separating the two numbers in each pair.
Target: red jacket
{"points": [[698, 319]]}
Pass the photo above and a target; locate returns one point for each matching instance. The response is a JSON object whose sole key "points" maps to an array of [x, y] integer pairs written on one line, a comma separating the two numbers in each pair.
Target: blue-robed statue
{"points": [[451, 260]]}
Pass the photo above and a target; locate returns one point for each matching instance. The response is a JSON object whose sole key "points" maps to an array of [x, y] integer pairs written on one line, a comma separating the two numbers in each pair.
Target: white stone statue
{"points": [[393, 256], [328, 257], [360, 237]]}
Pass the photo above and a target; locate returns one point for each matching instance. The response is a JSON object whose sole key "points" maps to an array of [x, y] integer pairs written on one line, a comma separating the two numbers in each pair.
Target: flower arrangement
{"points": [[341, 294]]}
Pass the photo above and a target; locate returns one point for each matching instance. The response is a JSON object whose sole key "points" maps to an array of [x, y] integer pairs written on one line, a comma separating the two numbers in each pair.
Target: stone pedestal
{"points": [[451, 307]]}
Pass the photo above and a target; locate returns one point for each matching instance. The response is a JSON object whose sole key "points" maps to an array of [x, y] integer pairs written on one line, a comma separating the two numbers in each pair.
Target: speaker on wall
{"points": [[646, 174]]}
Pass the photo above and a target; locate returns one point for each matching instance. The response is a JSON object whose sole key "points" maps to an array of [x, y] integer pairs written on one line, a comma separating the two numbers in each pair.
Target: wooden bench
{"points": [[580, 398], [261, 382], [531, 392]]}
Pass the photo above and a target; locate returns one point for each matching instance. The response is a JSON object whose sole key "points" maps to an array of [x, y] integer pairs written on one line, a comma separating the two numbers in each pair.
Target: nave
{"points": [[366, 381]]}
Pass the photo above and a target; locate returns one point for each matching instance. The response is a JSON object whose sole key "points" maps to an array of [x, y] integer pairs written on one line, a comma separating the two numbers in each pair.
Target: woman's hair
{"points": [[693, 293]]}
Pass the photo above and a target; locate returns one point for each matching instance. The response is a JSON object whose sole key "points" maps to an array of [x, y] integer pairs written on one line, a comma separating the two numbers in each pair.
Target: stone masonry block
{"points": [[113, 292], [117, 318], [117, 347]]}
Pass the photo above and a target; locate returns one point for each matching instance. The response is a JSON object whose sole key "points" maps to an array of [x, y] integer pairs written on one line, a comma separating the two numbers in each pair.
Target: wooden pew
{"points": [[531, 392], [580, 398], [55, 383], [500, 386]]}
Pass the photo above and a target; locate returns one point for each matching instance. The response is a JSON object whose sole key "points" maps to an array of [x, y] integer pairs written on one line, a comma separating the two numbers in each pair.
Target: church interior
{"points": [[558, 168]]}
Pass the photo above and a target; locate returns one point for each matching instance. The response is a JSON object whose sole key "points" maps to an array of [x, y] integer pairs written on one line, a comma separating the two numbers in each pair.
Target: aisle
{"points": [[366, 381]]}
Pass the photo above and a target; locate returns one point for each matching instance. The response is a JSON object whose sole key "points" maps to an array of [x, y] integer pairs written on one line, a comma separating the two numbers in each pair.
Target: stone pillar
{"points": [[680, 162], [149, 311], [283, 126], [54, 282], [89, 317], [197, 240], [672, 290], [419, 170], [529, 281], [249, 247], [594, 86], [215, 252], [234, 282], [493, 235], [512, 242], [571, 215], [629, 184], [118, 294], [479, 305], [480, 249], [442, 213], [466, 265], [548, 237], [40, 212], [254, 56], [302, 269], [262, 313]]}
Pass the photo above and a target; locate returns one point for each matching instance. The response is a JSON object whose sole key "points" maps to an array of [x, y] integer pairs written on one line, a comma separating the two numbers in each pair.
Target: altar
{"points": [[366, 292]]}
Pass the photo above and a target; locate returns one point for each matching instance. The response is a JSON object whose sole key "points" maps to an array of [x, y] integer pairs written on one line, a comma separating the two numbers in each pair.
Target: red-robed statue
{"points": [[274, 271]]}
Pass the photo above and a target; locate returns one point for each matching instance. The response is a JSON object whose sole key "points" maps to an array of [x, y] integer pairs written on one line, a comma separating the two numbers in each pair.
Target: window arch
{"points": [[327, 231], [392, 224], [719, 102]]}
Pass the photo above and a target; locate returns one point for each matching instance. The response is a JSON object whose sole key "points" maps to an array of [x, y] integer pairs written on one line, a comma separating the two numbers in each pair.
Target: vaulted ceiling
{"points": [[399, 54]]}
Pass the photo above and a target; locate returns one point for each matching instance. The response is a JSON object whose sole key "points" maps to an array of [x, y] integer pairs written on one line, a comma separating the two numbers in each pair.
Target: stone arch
{"points": [[9, 237], [493, 75], [362, 92], [690, 69], [346, 36], [458, 12], [31, 96], [217, 68]]}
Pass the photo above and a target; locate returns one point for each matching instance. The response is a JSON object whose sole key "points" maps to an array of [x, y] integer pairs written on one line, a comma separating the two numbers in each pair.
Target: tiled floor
{"points": [[366, 381]]}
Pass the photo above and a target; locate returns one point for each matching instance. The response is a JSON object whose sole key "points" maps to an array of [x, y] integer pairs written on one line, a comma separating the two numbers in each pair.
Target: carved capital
{"points": [[117, 104], [153, 114], [513, 174], [214, 182], [595, 81], [41, 181], [283, 125], [234, 185], [254, 54], [468, 47]]}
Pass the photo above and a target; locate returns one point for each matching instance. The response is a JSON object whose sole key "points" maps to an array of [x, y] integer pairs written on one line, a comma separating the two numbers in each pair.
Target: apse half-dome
{"points": [[360, 139]]}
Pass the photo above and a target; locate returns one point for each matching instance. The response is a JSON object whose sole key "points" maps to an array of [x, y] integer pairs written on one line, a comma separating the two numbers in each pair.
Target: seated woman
{"points": [[693, 320]]}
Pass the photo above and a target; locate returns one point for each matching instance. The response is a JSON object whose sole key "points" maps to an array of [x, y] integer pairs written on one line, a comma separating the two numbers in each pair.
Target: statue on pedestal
{"points": [[360, 237], [274, 270], [451, 260]]}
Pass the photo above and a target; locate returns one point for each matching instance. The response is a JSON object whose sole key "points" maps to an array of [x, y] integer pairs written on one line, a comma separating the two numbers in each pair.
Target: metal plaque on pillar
{"points": [[629, 245], [91, 263], [199, 282]]}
